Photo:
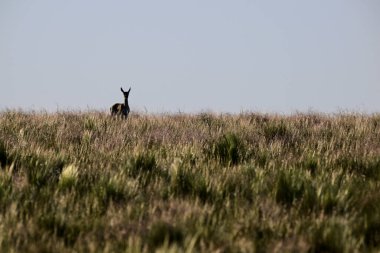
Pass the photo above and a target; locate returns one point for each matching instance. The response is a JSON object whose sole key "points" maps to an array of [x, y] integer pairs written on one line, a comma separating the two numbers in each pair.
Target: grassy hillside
{"points": [[189, 183]]}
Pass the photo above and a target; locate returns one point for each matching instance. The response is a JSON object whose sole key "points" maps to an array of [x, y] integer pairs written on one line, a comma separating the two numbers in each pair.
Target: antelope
{"points": [[121, 109]]}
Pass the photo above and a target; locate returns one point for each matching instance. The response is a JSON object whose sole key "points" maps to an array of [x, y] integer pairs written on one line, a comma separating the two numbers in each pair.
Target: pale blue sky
{"points": [[191, 56]]}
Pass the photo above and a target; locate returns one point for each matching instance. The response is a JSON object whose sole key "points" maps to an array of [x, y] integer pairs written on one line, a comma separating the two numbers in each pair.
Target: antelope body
{"points": [[121, 109]]}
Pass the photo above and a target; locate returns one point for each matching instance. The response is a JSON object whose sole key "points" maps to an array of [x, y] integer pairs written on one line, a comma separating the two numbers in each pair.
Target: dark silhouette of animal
{"points": [[121, 109]]}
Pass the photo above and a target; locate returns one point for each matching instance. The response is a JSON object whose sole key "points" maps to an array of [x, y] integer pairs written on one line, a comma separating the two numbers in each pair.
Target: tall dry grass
{"points": [[86, 182]]}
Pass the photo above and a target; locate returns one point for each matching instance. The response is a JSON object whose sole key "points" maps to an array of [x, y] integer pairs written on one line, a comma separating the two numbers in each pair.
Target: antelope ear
{"points": [[121, 89], [129, 90]]}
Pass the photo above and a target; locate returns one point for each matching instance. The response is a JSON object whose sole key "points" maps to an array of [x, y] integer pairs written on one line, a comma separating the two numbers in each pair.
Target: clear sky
{"points": [[191, 56]]}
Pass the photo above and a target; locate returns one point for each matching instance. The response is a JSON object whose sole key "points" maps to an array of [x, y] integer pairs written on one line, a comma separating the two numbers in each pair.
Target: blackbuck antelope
{"points": [[121, 109]]}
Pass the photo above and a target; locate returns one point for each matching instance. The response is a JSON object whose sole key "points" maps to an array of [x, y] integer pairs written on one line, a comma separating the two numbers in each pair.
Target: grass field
{"points": [[85, 182]]}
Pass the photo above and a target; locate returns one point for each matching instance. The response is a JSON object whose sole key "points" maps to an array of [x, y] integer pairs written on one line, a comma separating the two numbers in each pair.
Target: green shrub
{"points": [[162, 232], [372, 233], [110, 189], [274, 130], [5, 189], [43, 171], [261, 235], [201, 189], [311, 164], [368, 220], [142, 164], [62, 228], [182, 182], [228, 149], [3, 155], [289, 187], [367, 167], [237, 186], [309, 200], [262, 158], [332, 236], [328, 199]]}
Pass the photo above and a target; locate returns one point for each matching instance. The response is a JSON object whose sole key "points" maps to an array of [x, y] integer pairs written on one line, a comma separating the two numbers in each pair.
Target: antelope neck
{"points": [[126, 102]]}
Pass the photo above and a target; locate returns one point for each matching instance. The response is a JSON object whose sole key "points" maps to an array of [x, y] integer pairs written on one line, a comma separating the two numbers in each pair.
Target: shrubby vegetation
{"points": [[86, 182]]}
